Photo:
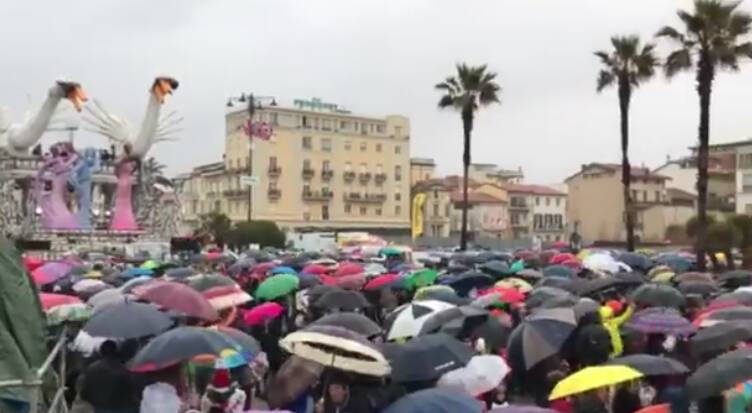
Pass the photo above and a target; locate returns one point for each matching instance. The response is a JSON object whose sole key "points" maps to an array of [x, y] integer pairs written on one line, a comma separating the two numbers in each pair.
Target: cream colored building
{"points": [[595, 204], [537, 210], [325, 168], [490, 173], [421, 169]]}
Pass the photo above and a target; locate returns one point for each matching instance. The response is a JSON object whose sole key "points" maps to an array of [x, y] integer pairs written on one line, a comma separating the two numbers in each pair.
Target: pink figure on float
{"points": [[123, 218], [56, 168]]}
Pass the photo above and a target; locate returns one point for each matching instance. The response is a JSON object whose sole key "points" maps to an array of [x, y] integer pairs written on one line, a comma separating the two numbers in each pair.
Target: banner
{"points": [[417, 218]]}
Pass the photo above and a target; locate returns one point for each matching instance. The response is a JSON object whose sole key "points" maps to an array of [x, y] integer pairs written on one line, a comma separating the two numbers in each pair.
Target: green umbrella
{"points": [[387, 251], [149, 265], [516, 267], [420, 278], [277, 286], [207, 281]]}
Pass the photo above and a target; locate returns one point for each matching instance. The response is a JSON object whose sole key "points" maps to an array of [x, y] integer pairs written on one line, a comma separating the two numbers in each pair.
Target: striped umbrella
{"points": [[661, 320]]}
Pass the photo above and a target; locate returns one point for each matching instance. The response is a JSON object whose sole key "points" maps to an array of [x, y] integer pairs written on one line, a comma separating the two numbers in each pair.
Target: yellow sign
{"points": [[417, 215]]}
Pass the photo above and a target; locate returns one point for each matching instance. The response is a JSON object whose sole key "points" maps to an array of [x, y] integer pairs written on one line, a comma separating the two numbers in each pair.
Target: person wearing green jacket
{"points": [[612, 322]]}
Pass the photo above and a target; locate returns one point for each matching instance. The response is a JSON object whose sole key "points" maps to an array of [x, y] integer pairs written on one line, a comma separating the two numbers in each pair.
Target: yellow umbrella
{"points": [[591, 378], [584, 254], [516, 283], [664, 277]]}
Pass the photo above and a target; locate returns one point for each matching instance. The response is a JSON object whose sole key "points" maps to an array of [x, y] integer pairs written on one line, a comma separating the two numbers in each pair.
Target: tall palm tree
{"points": [[711, 38], [471, 88], [626, 66]]}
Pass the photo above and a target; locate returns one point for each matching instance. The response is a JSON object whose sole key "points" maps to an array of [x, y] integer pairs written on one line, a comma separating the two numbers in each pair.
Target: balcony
{"points": [[274, 193], [324, 195], [721, 204], [275, 171], [549, 228], [380, 178], [519, 206], [327, 174], [520, 224], [365, 198], [349, 176], [236, 193], [364, 177], [308, 173]]}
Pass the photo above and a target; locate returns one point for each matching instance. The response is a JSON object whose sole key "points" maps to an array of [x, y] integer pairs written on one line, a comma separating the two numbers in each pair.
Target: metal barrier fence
{"points": [[36, 380]]}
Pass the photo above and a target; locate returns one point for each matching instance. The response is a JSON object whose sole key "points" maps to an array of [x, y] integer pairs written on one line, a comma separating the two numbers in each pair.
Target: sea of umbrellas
{"points": [[443, 331]]}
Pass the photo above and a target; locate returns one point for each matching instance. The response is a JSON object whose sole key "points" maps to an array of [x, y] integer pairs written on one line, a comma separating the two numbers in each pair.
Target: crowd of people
{"points": [[385, 329]]}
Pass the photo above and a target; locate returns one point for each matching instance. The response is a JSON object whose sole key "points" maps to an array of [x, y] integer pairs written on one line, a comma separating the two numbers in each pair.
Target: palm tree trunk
{"points": [[625, 93], [467, 127], [705, 75]]}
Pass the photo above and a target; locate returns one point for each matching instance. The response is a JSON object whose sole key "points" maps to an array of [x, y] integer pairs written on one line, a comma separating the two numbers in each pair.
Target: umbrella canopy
{"points": [[407, 320], [694, 276], [516, 283], [181, 344], [105, 298], [439, 293], [130, 285], [67, 313], [724, 315], [720, 337], [337, 347], [540, 295], [283, 270], [50, 272], [540, 336], [426, 358], [636, 261], [604, 263], [50, 301], [435, 401], [677, 263], [591, 378], [206, 281], [739, 297], [226, 296], [455, 321], [734, 279], [482, 374], [316, 269], [495, 332], [495, 268], [351, 321], [530, 274], [465, 282], [657, 295], [650, 365], [600, 285], [296, 376], [347, 282], [248, 347], [561, 257], [720, 374], [420, 278], [262, 313], [501, 295], [661, 320], [558, 271], [177, 297], [342, 300], [521, 409], [383, 281], [128, 320], [348, 268], [136, 272], [703, 288], [277, 286]]}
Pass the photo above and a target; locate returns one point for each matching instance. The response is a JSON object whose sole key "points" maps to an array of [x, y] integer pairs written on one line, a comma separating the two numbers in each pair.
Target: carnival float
{"points": [[92, 195]]}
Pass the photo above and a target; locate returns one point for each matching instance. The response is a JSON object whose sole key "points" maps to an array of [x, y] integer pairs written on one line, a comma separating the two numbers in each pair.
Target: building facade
{"points": [[537, 210], [421, 169], [490, 173], [722, 182], [325, 168]]}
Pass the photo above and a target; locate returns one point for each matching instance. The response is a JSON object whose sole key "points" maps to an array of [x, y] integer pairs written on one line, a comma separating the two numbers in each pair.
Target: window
{"points": [[634, 194], [304, 121], [428, 176], [343, 125], [217, 206], [745, 161], [397, 196], [355, 126], [325, 166], [435, 210], [398, 210], [398, 131], [747, 182], [378, 212], [363, 168], [558, 201], [548, 201], [325, 212], [306, 164], [645, 196], [363, 146], [348, 209], [315, 123], [348, 145], [398, 173], [326, 125], [307, 142], [273, 119], [447, 210], [378, 147], [380, 128], [194, 206], [379, 168], [348, 166], [397, 149], [435, 194], [272, 162], [306, 189], [537, 201], [326, 145], [657, 196], [363, 211]]}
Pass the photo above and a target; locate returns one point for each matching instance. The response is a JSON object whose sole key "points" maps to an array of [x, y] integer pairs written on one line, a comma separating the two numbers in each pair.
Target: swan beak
{"points": [[162, 87], [77, 96]]}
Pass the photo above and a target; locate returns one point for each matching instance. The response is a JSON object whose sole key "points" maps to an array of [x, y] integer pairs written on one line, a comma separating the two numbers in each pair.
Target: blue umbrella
{"points": [[135, 272], [558, 271], [435, 400], [283, 270], [181, 272], [677, 263]]}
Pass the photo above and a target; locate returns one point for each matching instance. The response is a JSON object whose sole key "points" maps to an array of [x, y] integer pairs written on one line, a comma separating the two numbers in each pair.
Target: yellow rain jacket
{"points": [[612, 324]]}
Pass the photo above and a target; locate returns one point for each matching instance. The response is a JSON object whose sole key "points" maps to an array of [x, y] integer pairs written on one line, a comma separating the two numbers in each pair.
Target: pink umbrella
{"points": [[226, 296], [380, 281], [32, 263], [261, 314], [348, 268], [350, 282], [521, 255], [177, 297], [315, 269], [260, 270], [559, 245], [561, 257], [50, 272], [50, 301]]}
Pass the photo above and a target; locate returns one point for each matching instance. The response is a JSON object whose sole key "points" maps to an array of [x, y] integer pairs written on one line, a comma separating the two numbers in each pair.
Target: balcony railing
{"points": [[327, 174], [380, 178], [275, 171], [549, 228], [274, 193], [519, 205], [365, 198], [308, 173], [364, 177], [236, 193], [349, 176], [318, 195]]}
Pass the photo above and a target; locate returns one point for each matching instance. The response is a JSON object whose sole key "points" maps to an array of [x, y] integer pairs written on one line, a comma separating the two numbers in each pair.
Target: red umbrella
{"points": [[348, 268], [260, 270], [506, 295], [380, 281], [572, 263], [545, 256], [521, 255], [347, 282], [559, 245], [50, 301], [177, 297], [561, 258], [32, 263], [261, 314], [315, 269]]}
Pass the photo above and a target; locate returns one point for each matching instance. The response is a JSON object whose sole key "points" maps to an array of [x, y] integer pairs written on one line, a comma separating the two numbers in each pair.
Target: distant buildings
{"points": [[537, 210]]}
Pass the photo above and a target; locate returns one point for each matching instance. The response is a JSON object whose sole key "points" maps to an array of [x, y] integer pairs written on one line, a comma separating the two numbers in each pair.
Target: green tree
{"points": [[627, 65], [743, 224], [710, 38], [722, 237], [263, 233], [469, 89], [215, 225]]}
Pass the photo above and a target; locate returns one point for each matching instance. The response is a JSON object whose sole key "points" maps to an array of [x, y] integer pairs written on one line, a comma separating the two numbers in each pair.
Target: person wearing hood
{"points": [[612, 322]]}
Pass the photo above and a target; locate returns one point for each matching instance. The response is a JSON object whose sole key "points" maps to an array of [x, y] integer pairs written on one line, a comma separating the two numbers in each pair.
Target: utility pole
{"points": [[251, 112]]}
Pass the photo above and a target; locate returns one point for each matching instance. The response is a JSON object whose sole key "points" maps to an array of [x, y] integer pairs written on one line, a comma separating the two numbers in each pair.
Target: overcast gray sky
{"points": [[375, 57]]}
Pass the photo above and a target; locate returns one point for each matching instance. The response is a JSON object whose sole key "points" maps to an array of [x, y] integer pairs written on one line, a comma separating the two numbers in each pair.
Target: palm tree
{"points": [[627, 65], [465, 92], [710, 38]]}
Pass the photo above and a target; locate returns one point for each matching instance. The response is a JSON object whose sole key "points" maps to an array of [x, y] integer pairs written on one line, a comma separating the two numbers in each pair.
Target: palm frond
{"points": [[671, 33], [605, 79], [739, 24], [471, 87], [677, 61], [447, 101]]}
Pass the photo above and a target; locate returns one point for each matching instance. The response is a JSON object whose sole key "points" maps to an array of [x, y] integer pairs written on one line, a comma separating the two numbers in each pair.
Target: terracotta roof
{"points": [[475, 198], [533, 189], [637, 171]]}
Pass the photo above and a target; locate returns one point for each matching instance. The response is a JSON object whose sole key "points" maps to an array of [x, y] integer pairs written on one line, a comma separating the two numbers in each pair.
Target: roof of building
{"points": [[422, 161], [728, 145], [637, 171], [209, 167], [680, 194], [533, 189], [475, 198]]}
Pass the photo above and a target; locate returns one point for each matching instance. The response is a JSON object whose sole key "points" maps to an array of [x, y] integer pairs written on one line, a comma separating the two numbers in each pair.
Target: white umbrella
{"points": [[604, 263], [406, 321], [482, 374]]}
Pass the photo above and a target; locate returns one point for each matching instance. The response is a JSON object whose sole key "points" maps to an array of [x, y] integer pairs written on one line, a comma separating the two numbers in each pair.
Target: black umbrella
{"points": [[351, 321], [565, 283], [426, 358], [702, 288], [127, 320], [558, 271], [343, 300], [495, 268], [727, 314], [651, 365], [540, 295], [456, 268], [600, 285], [308, 281], [636, 261], [494, 332], [658, 295], [720, 337], [529, 274], [735, 279], [540, 336], [447, 295], [466, 281], [318, 291], [455, 321], [720, 374], [739, 297], [693, 276]]}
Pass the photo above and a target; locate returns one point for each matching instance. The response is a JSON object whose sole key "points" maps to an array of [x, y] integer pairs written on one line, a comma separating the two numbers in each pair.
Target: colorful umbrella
{"points": [[516, 283], [724, 315], [277, 286], [50, 272], [348, 268], [591, 378], [49, 301], [348, 282], [420, 278], [67, 313], [661, 320], [262, 313], [150, 265], [383, 281], [504, 295], [283, 270], [177, 297], [315, 269], [227, 296], [136, 272], [561, 257]]}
